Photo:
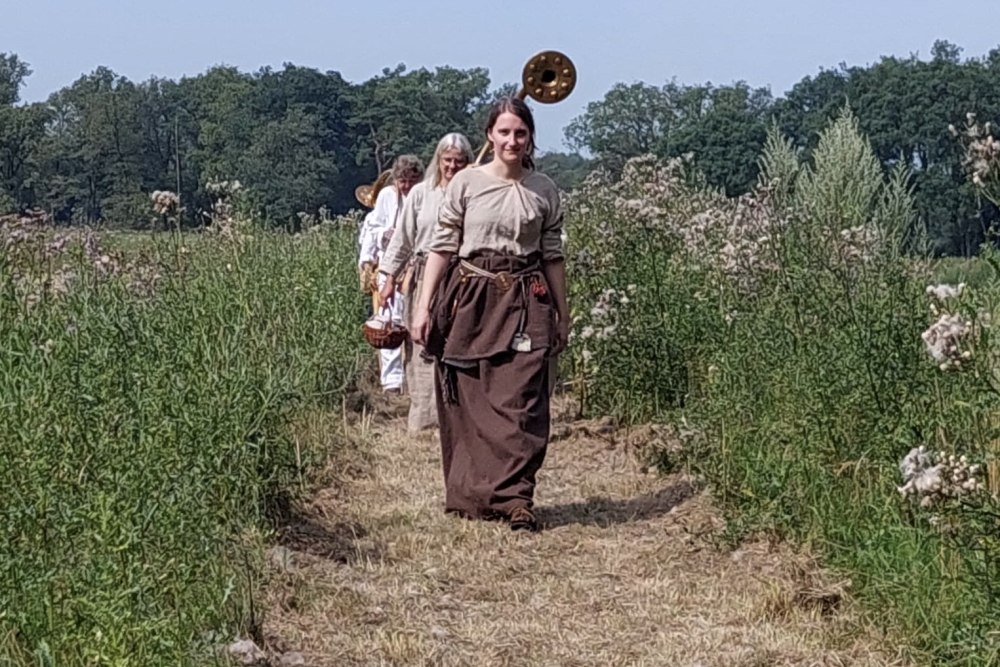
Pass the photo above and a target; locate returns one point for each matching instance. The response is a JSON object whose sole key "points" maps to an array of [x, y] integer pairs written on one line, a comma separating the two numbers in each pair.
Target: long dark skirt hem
{"points": [[494, 432]]}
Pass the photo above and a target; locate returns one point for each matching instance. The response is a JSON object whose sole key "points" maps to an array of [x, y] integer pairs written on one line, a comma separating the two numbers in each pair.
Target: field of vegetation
{"points": [[822, 380], [823, 383], [831, 380], [151, 386]]}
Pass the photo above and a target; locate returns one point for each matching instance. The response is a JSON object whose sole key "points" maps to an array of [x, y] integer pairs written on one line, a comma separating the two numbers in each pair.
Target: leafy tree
{"points": [[323, 104], [287, 167], [904, 107], [94, 156], [21, 131], [727, 135], [408, 112], [723, 126], [567, 169], [632, 119], [13, 72], [220, 101]]}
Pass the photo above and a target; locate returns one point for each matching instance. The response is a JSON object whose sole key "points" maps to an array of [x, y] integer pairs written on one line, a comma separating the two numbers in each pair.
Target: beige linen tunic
{"points": [[412, 235], [481, 211], [415, 227]]}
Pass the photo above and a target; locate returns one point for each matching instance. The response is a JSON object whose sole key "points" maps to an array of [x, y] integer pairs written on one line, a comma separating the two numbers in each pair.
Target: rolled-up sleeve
{"points": [[448, 231], [552, 229]]}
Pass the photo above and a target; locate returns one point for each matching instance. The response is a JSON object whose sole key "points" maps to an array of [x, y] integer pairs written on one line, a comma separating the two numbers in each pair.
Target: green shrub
{"points": [[787, 327]]}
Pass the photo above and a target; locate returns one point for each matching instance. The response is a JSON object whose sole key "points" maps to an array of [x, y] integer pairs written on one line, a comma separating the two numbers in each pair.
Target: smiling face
{"points": [[510, 137], [450, 163]]}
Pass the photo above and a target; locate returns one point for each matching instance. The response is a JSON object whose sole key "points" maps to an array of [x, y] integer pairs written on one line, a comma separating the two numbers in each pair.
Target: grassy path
{"points": [[623, 574]]}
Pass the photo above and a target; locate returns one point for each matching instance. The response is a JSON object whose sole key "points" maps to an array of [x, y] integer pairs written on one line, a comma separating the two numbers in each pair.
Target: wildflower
{"points": [[165, 202], [942, 292], [943, 337], [935, 477]]}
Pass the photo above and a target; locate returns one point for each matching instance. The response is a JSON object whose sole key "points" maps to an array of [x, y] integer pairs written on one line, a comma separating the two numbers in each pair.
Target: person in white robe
{"points": [[407, 171]]}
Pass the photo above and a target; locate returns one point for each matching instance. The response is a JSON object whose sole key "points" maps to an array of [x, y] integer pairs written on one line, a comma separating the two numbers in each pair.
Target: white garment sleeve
{"points": [[398, 252], [363, 231], [385, 208], [369, 246]]}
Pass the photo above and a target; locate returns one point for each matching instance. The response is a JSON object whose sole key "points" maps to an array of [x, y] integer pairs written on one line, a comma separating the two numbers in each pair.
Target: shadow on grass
{"points": [[604, 512]]}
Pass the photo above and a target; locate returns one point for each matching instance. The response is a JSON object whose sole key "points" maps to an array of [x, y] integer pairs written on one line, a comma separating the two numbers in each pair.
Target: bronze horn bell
{"points": [[367, 194], [548, 77]]}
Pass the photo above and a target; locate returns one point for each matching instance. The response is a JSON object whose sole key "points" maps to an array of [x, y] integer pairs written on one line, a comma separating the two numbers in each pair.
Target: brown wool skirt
{"points": [[493, 403], [495, 433]]}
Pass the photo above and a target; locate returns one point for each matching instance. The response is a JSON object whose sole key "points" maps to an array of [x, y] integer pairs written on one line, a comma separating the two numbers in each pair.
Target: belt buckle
{"points": [[504, 281]]}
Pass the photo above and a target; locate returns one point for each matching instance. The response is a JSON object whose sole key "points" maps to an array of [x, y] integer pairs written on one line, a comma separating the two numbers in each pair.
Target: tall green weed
{"points": [[143, 431], [793, 329]]}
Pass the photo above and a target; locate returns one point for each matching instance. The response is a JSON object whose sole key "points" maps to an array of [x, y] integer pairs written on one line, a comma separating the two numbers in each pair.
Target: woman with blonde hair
{"points": [[403, 265], [493, 312], [407, 171]]}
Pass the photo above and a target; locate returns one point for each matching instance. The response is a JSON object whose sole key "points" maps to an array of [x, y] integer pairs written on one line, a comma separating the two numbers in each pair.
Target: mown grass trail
{"points": [[625, 573]]}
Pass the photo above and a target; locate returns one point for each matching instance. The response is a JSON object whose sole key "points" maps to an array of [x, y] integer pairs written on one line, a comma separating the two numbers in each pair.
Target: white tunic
{"points": [[364, 254], [383, 218]]}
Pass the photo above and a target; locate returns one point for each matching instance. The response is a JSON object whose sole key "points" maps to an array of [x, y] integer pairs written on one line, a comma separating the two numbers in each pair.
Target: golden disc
{"points": [[549, 77]]}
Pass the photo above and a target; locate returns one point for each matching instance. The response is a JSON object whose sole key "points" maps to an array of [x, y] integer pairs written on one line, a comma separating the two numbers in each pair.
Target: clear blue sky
{"points": [[764, 42]]}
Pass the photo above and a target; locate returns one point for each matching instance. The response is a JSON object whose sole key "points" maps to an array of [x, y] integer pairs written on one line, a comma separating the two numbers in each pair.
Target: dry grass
{"points": [[623, 574]]}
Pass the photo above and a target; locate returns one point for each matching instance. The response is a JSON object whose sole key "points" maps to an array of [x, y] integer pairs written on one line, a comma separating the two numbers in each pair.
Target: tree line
{"points": [[904, 106], [300, 139]]}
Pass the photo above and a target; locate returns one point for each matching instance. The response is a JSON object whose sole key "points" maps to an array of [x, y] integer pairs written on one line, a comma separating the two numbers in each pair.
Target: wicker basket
{"points": [[384, 335]]}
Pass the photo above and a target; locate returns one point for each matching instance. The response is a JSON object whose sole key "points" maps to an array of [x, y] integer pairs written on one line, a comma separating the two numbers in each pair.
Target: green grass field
{"points": [[148, 383]]}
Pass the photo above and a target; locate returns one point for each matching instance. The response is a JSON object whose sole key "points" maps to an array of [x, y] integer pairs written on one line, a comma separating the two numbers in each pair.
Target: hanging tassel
{"points": [[537, 288]]}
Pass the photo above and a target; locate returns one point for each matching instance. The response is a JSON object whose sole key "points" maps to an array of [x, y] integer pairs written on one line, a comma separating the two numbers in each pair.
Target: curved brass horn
{"points": [[368, 194], [548, 77]]}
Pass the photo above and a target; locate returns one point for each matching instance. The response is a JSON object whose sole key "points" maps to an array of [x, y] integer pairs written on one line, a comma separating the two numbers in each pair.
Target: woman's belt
{"points": [[503, 280]]}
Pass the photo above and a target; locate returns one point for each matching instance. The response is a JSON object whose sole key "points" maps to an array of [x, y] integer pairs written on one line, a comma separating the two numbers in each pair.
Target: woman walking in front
{"points": [[404, 261], [493, 312]]}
